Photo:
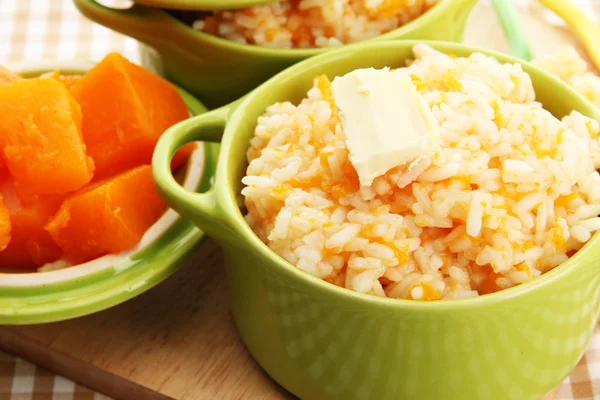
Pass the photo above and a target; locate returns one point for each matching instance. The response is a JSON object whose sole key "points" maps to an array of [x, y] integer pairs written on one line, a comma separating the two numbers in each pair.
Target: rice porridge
{"points": [[312, 23], [512, 192]]}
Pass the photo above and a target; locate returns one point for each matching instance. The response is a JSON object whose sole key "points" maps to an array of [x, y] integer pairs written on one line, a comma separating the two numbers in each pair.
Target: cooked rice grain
{"points": [[312, 23], [512, 193], [569, 66]]}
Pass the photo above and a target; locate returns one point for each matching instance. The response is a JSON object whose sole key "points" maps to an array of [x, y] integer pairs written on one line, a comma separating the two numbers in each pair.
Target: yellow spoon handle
{"points": [[572, 15]]}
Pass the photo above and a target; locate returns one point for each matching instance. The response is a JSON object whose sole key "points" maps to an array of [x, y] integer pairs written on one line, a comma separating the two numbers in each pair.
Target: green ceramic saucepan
{"points": [[38, 297], [321, 341], [217, 70]]}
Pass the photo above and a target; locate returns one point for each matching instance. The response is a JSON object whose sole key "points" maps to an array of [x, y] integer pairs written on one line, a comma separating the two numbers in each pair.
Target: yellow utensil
{"points": [[586, 28]]}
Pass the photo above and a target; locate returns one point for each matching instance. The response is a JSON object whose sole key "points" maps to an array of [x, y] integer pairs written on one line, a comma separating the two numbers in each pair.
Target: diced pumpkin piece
{"points": [[4, 225], [7, 76], [9, 195], [40, 135], [3, 169], [125, 111], [68, 80], [30, 245], [110, 216], [488, 285], [182, 155]]}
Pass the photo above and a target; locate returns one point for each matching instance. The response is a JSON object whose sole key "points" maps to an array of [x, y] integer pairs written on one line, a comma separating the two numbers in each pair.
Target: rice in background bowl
{"points": [[569, 66], [312, 23], [513, 193]]}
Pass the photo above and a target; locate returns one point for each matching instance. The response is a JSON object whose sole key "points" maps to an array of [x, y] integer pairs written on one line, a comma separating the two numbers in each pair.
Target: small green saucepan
{"points": [[39, 297], [321, 341], [218, 71]]}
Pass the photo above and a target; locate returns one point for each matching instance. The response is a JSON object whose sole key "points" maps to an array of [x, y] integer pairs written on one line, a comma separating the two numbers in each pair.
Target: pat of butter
{"points": [[385, 119]]}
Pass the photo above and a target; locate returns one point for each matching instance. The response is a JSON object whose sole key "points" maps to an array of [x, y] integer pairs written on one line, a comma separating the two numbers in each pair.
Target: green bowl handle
{"points": [[200, 208], [143, 23]]}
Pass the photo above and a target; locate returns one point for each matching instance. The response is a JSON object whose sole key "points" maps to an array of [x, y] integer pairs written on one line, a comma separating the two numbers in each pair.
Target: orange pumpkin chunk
{"points": [[108, 217], [125, 111], [40, 136], [7, 76], [3, 169], [488, 285], [69, 80], [30, 245], [4, 225], [182, 155]]}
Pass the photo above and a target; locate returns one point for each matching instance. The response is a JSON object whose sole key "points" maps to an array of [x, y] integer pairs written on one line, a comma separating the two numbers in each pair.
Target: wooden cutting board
{"points": [[177, 341]]}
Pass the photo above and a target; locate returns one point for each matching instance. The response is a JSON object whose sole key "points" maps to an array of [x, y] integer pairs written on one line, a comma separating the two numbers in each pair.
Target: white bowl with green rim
{"points": [[40, 297]]}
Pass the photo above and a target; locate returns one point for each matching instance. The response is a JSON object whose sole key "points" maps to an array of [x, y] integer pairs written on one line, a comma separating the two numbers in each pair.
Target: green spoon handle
{"points": [[513, 29]]}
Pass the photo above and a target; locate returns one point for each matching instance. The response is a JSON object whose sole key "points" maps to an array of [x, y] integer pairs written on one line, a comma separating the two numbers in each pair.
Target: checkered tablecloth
{"points": [[50, 29], [21, 380]]}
